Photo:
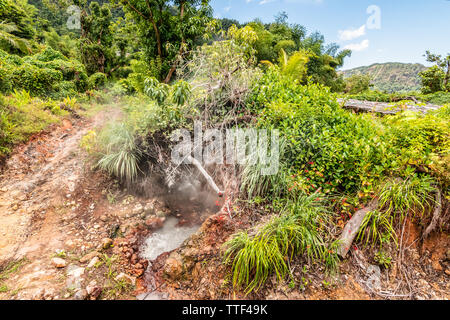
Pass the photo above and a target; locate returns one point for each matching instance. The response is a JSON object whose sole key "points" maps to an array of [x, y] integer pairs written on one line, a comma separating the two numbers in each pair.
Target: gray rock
{"points": [[81, 294], [75, 277], [374, 280]]}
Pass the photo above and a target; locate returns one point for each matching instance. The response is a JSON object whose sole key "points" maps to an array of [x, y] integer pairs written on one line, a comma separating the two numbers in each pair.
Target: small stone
{"points": [[59, 263], [104, 218], [149, 208], [173, 267], [131, 280], [107, 243], [160, 214], [447, 272], [155, 222], [38, 294], [69, 244], [138, 272], [93, 262], [81, 294], [74, 277], [93, 290], [89, 257]]}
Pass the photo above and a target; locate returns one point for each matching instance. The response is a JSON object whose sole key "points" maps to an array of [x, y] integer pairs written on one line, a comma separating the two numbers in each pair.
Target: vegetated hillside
{"points": [[391, 76]]}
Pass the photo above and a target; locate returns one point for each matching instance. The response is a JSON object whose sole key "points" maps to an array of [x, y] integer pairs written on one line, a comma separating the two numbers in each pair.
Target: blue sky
{"points": [[406, 30]]}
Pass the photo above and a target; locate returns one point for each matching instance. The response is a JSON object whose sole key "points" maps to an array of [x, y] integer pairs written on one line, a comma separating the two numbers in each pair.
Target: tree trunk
{"points": [[174, 66]]}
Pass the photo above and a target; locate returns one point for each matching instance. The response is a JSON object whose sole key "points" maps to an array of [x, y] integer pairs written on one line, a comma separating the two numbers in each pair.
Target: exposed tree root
{"points": [[436, 215], [352, 227]]}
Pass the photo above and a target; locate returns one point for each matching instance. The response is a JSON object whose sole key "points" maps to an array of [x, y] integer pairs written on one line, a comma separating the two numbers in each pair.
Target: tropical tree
{"points": [[436, 78], [9, 40], [357, 83], [167, 29], [96, 37]]}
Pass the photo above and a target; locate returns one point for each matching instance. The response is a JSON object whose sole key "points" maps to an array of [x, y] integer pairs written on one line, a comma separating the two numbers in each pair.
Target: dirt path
{"points": [[36, 189]]}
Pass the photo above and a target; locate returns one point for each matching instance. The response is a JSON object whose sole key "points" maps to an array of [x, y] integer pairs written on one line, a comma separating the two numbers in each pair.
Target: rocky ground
{"points": [[70, 232], [58, 219]]}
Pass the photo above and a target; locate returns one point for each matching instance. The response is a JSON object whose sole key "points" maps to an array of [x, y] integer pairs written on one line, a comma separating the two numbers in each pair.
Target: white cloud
{"points": [[358, 46], [350, 34]]}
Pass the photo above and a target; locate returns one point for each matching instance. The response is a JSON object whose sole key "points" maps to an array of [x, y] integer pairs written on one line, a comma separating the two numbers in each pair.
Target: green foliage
{"points": [[436, 78], [13, 12], [156, 90], [432, 80], [332, 148], [269, 248], [46, 73], [49, 54], [357, 84], [167, 29], [21, 116], [295, 66], [10, 42], [383, 259], [97, 38], [121, 154], [140, 72], [97, 80], [377, 227], [399, 197], [34, 79]]}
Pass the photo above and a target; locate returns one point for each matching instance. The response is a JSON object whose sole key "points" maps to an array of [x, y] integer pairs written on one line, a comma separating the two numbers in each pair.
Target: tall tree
{"points": [[167, 29], [96, 37], [442, 63]]}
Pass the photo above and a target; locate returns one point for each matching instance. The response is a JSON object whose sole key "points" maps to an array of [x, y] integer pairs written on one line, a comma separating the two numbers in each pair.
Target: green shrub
{"points": [[64, 89], [121, 154], [141, 71], [5, 77], [49, 54], [97, 80], [268, 248], [35, 80]]}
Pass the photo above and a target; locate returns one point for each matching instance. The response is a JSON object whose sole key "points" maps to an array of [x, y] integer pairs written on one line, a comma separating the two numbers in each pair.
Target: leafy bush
{"points": [[97, 80], [21, 116], [432, 80], [49, 54], [270, 247], [357, 84], [35, 80], [41, 73]]}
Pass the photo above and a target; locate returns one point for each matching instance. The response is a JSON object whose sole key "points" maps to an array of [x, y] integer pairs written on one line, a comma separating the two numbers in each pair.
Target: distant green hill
{"points": [[391, 76]]}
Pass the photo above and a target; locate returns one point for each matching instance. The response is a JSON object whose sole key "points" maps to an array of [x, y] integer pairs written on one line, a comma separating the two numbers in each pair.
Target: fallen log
{"points": [[436, 215], [383, 107], [208, 178], [351, 229]]}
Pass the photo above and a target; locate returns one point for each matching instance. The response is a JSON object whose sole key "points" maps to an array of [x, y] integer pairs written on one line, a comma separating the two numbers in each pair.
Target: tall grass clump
{"points": [[121, 153], [270, 247], [397, 199], [254, 184]]}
